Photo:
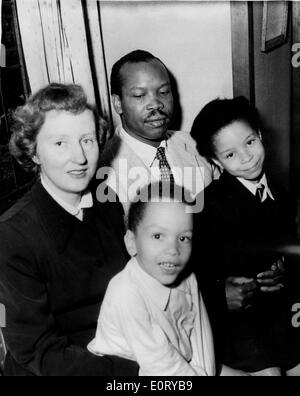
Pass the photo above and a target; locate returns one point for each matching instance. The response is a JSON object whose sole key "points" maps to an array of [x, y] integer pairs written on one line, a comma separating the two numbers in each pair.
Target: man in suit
{"points": [[143, 150]]}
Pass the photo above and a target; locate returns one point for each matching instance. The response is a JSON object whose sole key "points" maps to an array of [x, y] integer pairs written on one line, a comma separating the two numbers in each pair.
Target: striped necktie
{"points": [[164, 167]]}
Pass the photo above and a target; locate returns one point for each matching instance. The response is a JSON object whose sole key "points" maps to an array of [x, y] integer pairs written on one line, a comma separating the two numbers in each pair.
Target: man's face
{"points": [[146, 104]]}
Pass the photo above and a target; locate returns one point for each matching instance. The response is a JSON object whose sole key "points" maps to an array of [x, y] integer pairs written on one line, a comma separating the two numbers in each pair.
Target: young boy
{"points": [[153, 312], [245, 221]]}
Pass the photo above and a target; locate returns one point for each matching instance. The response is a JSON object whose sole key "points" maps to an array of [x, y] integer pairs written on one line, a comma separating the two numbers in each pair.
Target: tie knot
{"points": [[260, 192]]}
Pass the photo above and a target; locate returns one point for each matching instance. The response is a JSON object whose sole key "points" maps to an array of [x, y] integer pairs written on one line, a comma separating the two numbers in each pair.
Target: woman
{"points": [[58, 247]]}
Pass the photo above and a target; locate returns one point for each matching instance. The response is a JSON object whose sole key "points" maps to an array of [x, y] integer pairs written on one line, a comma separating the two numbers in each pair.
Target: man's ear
{"points": [[130, 244], [117, 103]]}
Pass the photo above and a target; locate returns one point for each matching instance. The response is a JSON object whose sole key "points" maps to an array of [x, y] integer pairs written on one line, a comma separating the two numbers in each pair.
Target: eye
{"points": [[185, 239], [251, 142], [164, 93], [59, 143], [138, 96], [157, 236], [229, 156], [88, 140]]}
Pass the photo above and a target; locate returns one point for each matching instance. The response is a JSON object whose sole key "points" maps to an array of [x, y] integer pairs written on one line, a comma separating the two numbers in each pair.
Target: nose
{"points": [[155, 103], [172, 248], [245, 156], [78, 154]]}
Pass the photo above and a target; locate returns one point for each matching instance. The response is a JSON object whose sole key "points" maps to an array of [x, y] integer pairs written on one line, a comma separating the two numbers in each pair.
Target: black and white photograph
{"points": [[149, 190]]}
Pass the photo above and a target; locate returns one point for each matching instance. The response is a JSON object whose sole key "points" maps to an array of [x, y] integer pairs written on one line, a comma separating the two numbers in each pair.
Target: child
{"points": [[246, 220], [152, 312]]}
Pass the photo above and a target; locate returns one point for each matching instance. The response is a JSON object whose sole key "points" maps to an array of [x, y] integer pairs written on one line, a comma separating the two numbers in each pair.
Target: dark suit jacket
{"points": [[242, 237], [54, 271]]}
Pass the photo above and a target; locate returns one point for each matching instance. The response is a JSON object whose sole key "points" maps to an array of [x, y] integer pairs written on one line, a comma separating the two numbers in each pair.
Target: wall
{"points": [[272, 73], [193, 39]]}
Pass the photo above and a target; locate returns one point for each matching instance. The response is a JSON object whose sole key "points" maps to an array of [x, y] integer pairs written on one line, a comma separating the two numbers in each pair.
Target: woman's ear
{"points": [[36, 160], [130, 244]]}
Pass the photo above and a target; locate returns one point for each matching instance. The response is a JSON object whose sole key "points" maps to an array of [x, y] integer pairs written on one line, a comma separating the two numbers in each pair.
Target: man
{"points": [[143, 150]]}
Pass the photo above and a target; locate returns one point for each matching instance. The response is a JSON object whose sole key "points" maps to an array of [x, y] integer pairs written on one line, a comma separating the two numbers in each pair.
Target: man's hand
{"points": [[272, 281], [239, 293]]}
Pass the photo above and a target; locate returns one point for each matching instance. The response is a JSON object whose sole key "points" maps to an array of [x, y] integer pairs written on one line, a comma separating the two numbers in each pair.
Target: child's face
{"points": [[162, 242], [239, 150]]}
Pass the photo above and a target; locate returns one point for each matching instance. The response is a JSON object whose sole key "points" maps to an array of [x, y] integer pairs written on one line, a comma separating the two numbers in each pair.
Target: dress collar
{"points": [[85, 202]]}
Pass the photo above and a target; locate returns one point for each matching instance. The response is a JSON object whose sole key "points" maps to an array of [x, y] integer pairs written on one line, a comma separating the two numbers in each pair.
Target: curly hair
{"points": [[28, 120]]}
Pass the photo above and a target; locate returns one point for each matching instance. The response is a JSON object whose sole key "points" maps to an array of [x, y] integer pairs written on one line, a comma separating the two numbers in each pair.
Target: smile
{"points": [[253, 168], [168, 267], [78, 173]]}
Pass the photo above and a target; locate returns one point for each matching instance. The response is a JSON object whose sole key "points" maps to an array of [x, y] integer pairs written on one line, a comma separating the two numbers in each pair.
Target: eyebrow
{"points": [[161, 228], [143, 88], [64, 136]]}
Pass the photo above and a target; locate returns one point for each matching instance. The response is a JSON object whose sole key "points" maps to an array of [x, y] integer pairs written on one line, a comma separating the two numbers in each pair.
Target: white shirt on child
{"points": [[165, 330], [252, 187]]}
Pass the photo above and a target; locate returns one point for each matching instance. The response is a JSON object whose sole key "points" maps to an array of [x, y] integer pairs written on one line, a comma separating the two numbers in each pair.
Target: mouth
{"points": [[157, 123], [253, 168], [169, 267], [78, 172]]}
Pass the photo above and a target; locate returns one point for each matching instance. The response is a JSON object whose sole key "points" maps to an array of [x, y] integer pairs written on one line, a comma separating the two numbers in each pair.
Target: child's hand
{"points": [[271, 281], [239, 293]]}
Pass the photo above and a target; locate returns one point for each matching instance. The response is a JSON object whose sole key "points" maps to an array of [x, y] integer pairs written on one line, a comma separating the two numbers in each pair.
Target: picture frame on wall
{"points": [[274, 24]]}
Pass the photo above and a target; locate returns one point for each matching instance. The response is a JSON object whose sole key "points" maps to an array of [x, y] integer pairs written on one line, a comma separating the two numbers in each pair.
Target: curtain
{"points": [[62, 42]]}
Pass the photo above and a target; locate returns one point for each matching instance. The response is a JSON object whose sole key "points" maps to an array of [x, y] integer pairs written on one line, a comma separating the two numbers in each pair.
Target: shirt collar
{"points": [[86, 200], [252, 187], [146, 152], [159, 293]]}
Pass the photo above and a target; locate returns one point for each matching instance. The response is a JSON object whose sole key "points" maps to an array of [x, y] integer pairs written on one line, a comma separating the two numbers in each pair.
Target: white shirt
{"points": [[129, 164], [252, 187], [148, 155], [85, 202], [165, 330]]}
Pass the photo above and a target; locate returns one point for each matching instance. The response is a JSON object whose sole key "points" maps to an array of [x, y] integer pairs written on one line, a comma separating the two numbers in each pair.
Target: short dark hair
{"points": [[28, 119], [218, 114], [136, 56], [156, 192]]}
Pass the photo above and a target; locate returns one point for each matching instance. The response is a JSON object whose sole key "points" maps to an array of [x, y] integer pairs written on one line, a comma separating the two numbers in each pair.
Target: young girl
{"points": [[152, 311], [246, 220]]}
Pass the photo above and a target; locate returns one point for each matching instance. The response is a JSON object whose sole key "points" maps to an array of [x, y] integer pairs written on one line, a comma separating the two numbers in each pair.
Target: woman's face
{"points": [[67, 153]]}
